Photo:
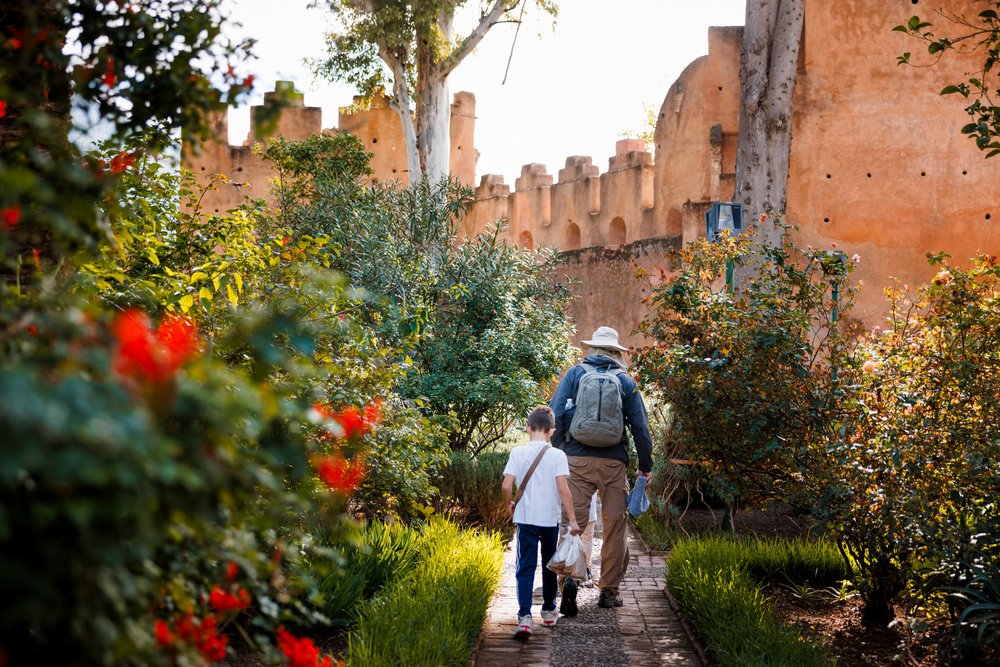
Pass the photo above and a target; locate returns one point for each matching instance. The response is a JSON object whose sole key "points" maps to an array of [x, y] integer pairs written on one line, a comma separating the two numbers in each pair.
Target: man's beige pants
{"points": [[606, 476]]}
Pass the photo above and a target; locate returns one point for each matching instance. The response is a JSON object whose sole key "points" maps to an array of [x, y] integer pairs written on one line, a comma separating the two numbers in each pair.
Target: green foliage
{"points": [[980, 34], [751, 375], [470, 487], [910, 487], [476, 323], [716, 582], [388, 551], [131, 71], [433, 615]]}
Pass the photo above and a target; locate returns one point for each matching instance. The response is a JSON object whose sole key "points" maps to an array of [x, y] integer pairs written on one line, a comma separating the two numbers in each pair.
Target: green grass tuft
{"points": [[433, 615], [717, 583]]}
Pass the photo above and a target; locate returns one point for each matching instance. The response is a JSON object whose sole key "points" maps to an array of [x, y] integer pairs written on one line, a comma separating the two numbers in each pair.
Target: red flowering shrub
{"points": [[301, 652], [203, 635], [339, 474], [152, 356], [225, 602]]}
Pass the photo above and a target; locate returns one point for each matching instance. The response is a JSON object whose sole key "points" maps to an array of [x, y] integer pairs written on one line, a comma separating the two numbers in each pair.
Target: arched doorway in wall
{"points": [[572, 237], [617, 235], [526, 240]]}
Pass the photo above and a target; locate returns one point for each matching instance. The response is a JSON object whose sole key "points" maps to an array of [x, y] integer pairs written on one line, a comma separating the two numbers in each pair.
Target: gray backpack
{"points": [[598, 420]]}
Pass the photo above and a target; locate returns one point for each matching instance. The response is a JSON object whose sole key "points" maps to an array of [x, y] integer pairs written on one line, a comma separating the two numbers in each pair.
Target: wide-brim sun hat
{"points": [[605, 337]]}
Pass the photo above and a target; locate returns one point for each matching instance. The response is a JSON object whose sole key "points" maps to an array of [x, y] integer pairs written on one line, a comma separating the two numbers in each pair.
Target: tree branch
{"points": [[401, 103], [487, 21]]}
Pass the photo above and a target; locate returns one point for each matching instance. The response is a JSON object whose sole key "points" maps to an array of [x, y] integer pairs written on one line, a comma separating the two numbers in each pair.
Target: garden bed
{"points": [[836, 625]]}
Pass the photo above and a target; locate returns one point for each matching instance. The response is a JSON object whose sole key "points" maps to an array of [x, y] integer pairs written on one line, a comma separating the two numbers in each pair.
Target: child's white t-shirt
{"points": [[539, 506]]}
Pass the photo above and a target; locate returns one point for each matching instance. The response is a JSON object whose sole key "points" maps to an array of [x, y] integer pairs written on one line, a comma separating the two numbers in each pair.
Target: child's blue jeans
{"points": [[528, 539]]}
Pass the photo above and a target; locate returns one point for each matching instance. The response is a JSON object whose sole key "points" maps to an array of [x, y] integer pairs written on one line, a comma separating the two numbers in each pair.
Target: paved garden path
{"points": [[646, 631]]}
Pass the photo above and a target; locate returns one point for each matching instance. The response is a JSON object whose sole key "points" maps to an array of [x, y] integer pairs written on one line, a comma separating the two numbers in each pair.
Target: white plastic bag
{"points": [[568, 559]]}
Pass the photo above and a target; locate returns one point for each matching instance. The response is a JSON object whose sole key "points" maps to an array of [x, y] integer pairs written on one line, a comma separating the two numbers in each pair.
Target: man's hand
{"points": [[574, 527], [510, 508], [648, 475]]}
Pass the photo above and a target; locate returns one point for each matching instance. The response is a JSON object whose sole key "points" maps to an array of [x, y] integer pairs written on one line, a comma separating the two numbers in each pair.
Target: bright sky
{"points": [[571, 91]]}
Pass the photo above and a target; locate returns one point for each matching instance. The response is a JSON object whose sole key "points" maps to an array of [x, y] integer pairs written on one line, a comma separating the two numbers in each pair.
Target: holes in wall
{"points": [[459, 148], [829, 176], [216, 210], [374, 140], [965, 173], [203, 169], [915, 1], [923, 173], [720, 89], [239, 168], [826, 220], [394, 171], [869, 174], [987, 216]]}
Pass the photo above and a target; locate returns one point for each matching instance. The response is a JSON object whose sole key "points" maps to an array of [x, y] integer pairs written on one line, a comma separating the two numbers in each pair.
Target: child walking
{"points": [[541, 473]]}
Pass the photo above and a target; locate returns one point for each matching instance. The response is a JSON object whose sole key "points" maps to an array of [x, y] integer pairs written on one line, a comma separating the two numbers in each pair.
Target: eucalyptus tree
{"points": [[770, 50], [411, 47]]}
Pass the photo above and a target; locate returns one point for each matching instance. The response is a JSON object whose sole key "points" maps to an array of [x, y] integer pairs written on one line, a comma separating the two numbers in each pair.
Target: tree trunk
{"points": [[434, 127], [768, 62], [433, 103]]}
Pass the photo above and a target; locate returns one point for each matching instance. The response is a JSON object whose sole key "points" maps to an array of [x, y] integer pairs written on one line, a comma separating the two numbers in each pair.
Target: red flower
{"points": [[109, 77], [231, 571], [203, 635], [14, 43], [372, 411], [351, 421], [3, 108], [247, 82], [36, 255], [151, 356], [341, 475], [164, 638], [301, 652], [225, 602], [11, 216], [121, 162]]}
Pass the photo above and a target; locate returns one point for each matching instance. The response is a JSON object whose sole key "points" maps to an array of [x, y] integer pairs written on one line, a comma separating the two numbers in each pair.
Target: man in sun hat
{"points": [[596, 403]]}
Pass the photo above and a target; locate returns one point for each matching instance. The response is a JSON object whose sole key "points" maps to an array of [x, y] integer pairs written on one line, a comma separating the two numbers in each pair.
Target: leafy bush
{"points": [[387, 551], [470, 487], [751, 374], [716, 582], [909, 484], [433, 615], [477, 322]]}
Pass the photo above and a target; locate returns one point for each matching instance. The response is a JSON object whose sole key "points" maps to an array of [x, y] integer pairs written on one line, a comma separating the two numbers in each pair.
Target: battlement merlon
{"points": [[492, 185]]}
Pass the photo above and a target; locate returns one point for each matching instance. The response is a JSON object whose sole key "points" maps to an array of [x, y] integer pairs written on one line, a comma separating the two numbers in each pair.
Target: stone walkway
{"points": [[646, 631]]}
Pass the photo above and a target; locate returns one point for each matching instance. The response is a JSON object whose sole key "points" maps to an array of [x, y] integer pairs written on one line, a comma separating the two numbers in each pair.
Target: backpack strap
{"points": [[527, 476]]}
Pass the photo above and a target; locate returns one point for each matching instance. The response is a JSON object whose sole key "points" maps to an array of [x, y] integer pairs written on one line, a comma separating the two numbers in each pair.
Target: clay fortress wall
{"points": [[878, 165]]}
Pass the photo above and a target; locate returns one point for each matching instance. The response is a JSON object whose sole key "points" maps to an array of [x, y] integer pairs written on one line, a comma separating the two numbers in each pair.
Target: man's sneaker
{"points": [[549, 617], [568, 605], [609, 600], [523, 630]]}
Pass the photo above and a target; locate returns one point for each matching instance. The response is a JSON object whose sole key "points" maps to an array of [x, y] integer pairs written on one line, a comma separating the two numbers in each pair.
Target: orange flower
{"points": [[341, 475]]}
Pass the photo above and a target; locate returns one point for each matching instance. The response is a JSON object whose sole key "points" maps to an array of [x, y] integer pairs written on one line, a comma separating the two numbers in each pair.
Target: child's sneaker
{"points": [[549, 617], [523, 630]]}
